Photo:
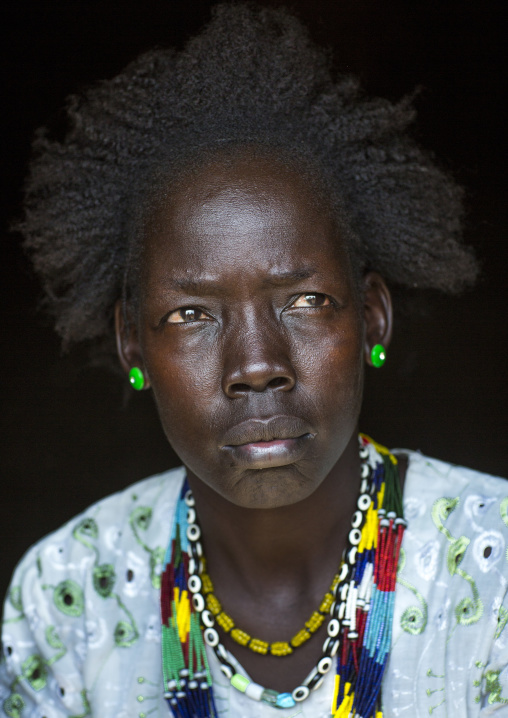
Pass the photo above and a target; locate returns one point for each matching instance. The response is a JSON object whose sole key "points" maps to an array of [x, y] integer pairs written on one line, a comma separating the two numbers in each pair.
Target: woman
{"points": [[233, 214]]}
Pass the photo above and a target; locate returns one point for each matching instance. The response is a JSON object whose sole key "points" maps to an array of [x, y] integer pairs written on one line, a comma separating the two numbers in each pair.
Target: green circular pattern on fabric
{"points": [[413, 620], [125, 635], [35, 672], [88, 527], [104, 578], [141, 517], [14, 705], [68, 598]]}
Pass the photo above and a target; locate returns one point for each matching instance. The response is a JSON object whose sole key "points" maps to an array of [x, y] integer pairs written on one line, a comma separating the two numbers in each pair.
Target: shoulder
{"points": [[112, 522], [454, 550], [454, 501], [87, 589], [451, 606], [426, 474], [438, 493], [111, 533]]}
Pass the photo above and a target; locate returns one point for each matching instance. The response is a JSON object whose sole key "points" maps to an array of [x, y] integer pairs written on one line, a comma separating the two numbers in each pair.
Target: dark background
{"points": [[67, 435]]}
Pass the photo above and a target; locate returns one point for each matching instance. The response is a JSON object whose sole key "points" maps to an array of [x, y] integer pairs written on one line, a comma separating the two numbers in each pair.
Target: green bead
{"points": [[378, 355], [136, 378], [270, 697], [240, 682]]}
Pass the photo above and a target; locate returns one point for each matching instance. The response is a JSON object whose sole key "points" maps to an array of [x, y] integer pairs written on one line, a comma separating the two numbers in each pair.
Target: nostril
{"points": [[240, 388], [277, 382]]}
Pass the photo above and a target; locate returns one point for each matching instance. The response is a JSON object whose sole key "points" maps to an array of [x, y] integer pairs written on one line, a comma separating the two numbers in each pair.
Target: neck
{"points": [[259, 547]]}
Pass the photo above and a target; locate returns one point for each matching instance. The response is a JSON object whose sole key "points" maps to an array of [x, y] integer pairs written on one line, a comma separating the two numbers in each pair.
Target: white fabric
{"points": [[76, 648]]}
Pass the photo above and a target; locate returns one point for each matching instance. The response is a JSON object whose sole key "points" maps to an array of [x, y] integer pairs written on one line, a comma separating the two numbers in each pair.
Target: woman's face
{"points": [[251, 332]]}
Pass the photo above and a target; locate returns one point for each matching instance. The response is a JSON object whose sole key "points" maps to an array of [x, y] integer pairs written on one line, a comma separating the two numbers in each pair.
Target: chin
{"points": [[271, 489]]}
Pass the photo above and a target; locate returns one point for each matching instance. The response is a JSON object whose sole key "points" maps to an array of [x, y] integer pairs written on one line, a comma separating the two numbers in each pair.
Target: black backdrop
{"points": [[67, 435]]}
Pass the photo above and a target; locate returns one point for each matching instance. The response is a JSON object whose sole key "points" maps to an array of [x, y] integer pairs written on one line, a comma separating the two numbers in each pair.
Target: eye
{"points": [[312, 300], [185, 315]]}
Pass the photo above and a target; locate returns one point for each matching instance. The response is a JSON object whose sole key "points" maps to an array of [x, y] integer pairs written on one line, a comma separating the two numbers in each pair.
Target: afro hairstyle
{"points": [[252, 76]]}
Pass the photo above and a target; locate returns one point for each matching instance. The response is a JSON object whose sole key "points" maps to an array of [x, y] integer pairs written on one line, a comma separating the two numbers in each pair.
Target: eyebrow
{"points": [[290, 277], [203, 286]]}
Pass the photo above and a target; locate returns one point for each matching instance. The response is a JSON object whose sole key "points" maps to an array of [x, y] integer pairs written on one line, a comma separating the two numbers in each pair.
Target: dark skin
{"points": [[253, 336]]}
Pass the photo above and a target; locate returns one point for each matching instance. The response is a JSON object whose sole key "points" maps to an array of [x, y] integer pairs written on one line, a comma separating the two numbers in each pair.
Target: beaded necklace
{"points": [[361, 610], [277, 648]]}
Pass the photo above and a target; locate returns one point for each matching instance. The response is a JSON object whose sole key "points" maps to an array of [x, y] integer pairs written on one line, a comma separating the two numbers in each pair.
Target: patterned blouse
{"points": [[81, 631]]}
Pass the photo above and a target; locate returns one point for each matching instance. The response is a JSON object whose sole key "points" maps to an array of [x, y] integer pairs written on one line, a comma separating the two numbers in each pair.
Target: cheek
{"points": [[337, 395], [184, 381], [332, 368], [331, 388]]}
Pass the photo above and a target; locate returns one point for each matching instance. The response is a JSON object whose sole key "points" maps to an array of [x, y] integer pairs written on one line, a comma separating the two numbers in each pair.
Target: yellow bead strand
{"points": [[300, 638], [240, 636], [213, 604], [314, 622], [280, 648], [326, 603], [225, 622], [277, 648], [259, 646]]}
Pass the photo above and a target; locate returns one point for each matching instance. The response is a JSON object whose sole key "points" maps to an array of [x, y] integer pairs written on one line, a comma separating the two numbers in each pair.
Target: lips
{"points": [[267, 443], [254, 431]]}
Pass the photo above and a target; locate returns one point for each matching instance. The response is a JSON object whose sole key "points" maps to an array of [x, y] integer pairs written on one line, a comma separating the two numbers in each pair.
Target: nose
{"points": [[257, 361]]}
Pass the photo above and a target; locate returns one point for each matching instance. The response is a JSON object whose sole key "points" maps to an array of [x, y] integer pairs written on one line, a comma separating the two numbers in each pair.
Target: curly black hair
{"points": [[252, 76]]}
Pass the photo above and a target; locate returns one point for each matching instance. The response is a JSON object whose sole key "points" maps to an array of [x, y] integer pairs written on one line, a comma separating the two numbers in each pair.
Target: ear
{"points": [[127, 343], [377, 308]]}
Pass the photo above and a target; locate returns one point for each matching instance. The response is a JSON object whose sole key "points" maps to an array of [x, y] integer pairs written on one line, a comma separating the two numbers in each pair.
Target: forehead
{"points": [[234, 211]]}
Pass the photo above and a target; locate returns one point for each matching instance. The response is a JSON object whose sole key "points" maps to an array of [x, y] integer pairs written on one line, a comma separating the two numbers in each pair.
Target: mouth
{"points": [[266, 443]]}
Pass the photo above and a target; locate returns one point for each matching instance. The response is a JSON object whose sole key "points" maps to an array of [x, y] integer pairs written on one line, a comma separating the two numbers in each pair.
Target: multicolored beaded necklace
{"points": [[359, 602]]}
